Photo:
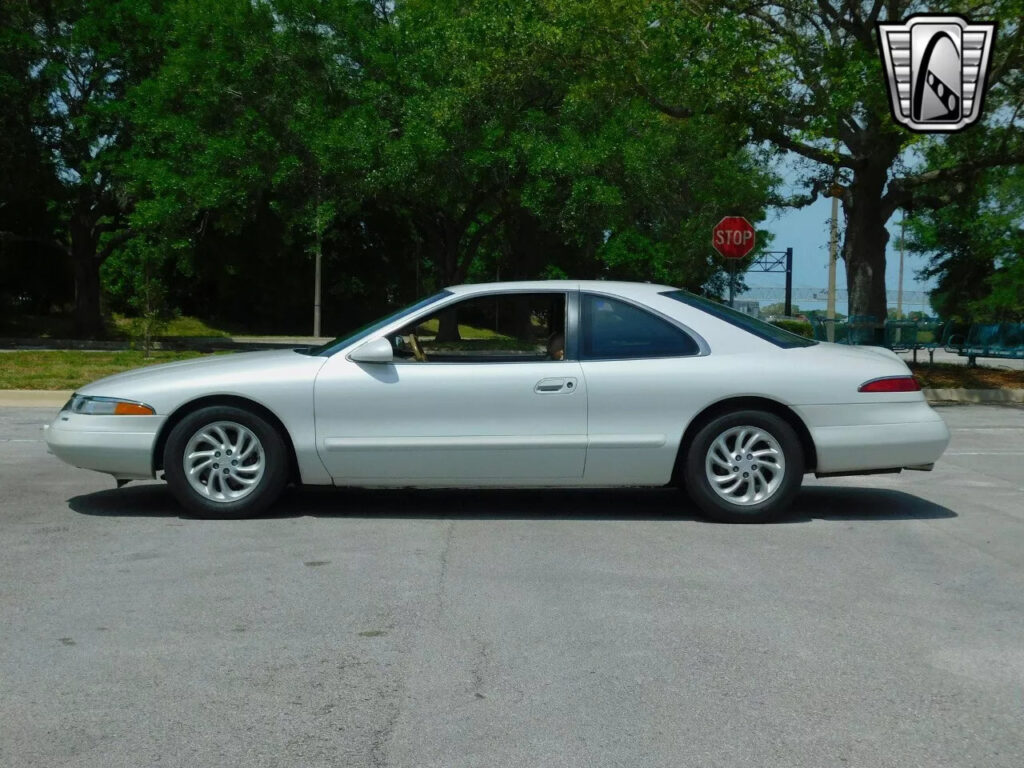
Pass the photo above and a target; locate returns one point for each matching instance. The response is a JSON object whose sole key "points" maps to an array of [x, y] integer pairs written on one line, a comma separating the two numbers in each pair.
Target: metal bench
{"points": [[862, 329], [901, 336], [931, 336], [912, 335], [1001, 340], [858, 329]]}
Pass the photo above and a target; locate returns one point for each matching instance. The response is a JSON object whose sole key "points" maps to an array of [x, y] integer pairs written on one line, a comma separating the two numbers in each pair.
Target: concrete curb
{"points": [[38, 398], [183, 343], [34, 398], [975, 395]]}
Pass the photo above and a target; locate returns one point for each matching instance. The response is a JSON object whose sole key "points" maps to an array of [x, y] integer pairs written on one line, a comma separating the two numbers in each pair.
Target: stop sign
{"points": [[733, 237]]}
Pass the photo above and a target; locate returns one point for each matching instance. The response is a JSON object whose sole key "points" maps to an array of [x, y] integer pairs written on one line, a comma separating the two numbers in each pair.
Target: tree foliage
{"points": [[219, 147], [805, 76], [76, 61], [420, 145], [976, 245]]}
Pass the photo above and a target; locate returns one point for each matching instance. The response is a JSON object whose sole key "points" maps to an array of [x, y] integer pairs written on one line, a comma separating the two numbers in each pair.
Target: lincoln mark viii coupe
{"points": [[533, 384]]}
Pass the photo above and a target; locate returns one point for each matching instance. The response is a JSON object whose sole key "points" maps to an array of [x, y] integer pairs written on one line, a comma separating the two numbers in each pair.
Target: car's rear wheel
{"points": [[225, 462], [744, 467]]}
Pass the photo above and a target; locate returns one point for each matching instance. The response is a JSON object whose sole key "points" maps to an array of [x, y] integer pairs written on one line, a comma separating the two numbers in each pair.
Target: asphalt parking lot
{"points": [[881, 625]]}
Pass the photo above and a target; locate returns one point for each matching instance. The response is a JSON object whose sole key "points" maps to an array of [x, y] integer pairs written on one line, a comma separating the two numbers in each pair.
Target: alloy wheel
{"points": [[224, 461], [745, 465]]}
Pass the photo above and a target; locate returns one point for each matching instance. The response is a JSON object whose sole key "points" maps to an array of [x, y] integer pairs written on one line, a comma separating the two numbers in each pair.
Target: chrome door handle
{"points": [[554, 386]]}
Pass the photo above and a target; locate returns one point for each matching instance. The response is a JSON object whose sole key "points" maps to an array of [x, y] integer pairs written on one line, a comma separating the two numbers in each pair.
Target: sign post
{"points": [[733, 237], [777, 261], [732, 283]]}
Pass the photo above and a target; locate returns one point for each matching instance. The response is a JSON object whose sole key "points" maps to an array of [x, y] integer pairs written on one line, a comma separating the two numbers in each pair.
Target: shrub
{"points": [[799, 327]]}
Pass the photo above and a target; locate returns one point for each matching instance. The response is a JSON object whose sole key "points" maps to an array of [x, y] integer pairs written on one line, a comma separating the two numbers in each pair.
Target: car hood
{"points": [[212, 372]]}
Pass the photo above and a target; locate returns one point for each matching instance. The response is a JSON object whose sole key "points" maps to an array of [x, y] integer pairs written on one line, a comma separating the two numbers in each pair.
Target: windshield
{"points": [[759, 328], [353, 336]]}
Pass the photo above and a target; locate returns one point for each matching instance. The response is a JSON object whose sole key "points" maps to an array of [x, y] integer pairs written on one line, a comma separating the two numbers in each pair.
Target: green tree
{"points": [[239, 131], [459, 139], [1006, 300], [499, 136], [33, 261], [975, 246], [77, 59], [805, 76]]}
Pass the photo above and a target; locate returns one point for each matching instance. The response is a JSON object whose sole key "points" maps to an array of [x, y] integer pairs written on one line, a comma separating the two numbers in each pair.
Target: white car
{"points": [[531, 384]]}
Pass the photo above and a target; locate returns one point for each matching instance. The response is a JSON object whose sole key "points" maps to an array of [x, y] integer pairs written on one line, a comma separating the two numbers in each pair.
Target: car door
{"points": [[637, 364], [483, 408]]}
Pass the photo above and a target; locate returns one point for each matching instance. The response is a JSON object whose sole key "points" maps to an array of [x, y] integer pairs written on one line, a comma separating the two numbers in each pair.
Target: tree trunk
{"points": [[864, 245], [445, 254], [526, 245], [522, 320], [88, 315], [448, 327]]}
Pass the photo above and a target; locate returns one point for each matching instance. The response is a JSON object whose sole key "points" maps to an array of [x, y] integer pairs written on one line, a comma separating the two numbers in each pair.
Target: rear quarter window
{"points": [[617, 330], [752, 325]]}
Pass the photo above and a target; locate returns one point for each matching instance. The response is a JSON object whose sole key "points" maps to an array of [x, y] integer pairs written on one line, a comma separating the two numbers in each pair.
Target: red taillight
{"points": [[891, 384]]}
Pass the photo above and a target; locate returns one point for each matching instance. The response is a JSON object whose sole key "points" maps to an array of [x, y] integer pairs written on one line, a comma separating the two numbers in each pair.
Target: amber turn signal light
{"points": [[133, 409]]}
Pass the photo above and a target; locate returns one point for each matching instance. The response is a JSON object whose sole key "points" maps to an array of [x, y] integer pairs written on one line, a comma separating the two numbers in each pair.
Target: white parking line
{"points": [[983, 453], [985, 429]]}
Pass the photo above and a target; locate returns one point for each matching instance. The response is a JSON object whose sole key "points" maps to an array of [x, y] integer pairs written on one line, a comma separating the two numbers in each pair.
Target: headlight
{"points": [[107, 406]]}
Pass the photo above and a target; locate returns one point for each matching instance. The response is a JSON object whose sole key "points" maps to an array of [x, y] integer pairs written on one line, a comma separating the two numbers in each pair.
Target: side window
{"points": [[616, 330], [499, 328]]}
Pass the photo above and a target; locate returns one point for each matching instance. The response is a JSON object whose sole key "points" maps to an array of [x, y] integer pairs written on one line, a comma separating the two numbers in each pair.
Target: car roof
{"points": [[618, 287]]}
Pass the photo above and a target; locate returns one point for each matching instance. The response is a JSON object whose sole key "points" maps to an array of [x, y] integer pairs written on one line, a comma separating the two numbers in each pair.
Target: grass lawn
{"points": [[175, 327], [950, 376], [70, 369], [465, 331], [119, 327]]}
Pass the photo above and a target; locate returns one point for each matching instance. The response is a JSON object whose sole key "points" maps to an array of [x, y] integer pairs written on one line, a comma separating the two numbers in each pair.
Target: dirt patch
{"points": [[949, 376]]}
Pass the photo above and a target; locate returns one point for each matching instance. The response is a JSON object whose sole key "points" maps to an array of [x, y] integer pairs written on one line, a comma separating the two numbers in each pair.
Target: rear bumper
{"points": [[917, 440], [118, 445]]}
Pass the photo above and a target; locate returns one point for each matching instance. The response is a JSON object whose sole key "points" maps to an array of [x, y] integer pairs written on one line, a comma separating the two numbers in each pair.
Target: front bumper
{"points": [[118, 445]]}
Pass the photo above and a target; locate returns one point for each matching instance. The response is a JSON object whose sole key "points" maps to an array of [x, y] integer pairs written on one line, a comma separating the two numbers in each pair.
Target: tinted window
{"points": [[616, 330], [759, 328]]}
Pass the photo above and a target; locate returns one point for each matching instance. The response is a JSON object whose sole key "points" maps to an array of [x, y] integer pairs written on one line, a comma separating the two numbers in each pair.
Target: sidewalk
{"points": [[34, 398], [198, 343], [951, 358]]}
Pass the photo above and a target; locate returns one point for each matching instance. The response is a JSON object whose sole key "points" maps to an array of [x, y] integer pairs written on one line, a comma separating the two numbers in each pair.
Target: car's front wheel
{"points": [[744, 467], [225, 462]]}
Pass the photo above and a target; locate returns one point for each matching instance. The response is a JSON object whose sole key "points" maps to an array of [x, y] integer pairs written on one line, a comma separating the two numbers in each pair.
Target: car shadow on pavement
{"points": [[831, 502], [813, 503]]}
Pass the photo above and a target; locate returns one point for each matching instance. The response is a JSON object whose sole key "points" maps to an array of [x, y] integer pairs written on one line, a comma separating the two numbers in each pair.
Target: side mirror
{"points": [[376, 351]]}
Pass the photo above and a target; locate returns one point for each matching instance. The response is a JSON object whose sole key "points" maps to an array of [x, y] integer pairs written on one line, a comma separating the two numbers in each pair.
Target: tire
{"points": [[750, 490], [216, 488]]}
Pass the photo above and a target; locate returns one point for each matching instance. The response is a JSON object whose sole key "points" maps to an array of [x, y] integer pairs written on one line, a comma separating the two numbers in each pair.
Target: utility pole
{"points": [[316, 288], [317, 257], [899, 291], [830, 311], [788, 308]]}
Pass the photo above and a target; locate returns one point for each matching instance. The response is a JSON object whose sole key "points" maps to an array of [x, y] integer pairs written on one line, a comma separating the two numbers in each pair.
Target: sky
{"points": [[806, 230]]}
